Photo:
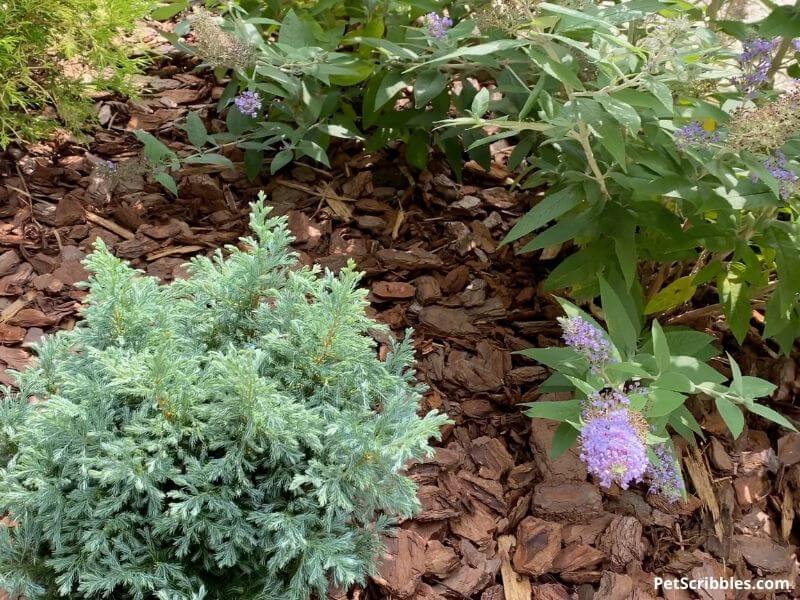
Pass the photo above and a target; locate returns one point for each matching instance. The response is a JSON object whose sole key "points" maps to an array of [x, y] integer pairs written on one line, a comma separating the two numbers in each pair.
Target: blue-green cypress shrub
{"points": [[230, 436]]}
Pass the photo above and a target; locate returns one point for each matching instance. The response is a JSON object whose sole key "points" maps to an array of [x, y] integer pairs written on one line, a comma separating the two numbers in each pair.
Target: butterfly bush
{"points": [[755, 61], [612, 447], [665, 475], [695, 135], [588, 340], [777, 165], [437, 25], [248, 103]]}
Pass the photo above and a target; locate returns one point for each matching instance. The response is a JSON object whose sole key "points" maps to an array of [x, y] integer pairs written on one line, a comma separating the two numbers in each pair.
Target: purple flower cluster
{"points": [[665, 477], [787, 180], [248, 103], [588, 340], [696, 135], [604, 402], [755, 61], [437, 25], [613, 450]]}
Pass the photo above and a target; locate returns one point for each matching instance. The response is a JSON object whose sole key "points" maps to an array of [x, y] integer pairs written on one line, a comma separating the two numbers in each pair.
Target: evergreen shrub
{"points": [[232, 435], [53, 53]]}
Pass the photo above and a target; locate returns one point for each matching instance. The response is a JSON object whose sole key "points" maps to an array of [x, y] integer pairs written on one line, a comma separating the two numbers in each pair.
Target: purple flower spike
{"points": [[665, 477], [437, 25], [248, 103], [755, 61], [695, 135], [613, 450], [776, 165], [588, 340]]}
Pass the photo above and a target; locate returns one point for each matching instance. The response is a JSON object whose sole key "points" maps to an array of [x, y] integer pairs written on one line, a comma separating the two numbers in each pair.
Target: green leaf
{"points": [[677, 382], [280, 160], [477, 50], [783, 21], [755, 387], [564, 438], [772, 415], [428, 85], [253, 161], [625, 370], [731, 414], [685, 424], [480, 103], [196, 130], [610, 135], [622, 331], [551, 207], [389, 87], [167, 181], [313, 150], [295, 32], [557, 358], [582, 385], [685, 341], [564, 230], [679, 291], [625, 249], [417, 150], [660, 346], [164, 13], [211, 159], [557, 410], [664, 403], [154, 149], [622, 112], [695, 370], [736, 375], [557, 382]]}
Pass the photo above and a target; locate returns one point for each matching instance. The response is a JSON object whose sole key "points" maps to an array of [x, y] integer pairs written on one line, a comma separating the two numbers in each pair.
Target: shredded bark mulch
{"points": [[500, 519]]}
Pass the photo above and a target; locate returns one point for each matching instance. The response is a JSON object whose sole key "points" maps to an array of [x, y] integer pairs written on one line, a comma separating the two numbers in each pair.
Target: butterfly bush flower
{"points": [[588, 340], [437, 25], [248, 103], [612, 448], [755, 61], [665, 476], [694, 135], [787, 180]]}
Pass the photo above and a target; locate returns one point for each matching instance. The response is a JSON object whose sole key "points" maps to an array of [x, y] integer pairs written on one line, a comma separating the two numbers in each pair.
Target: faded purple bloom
{"points": [[787, 180], [755, 61], [665, 476], [588, 340], [694, 134], [796, 44], [248, 103], [605, 402], [437, 25], [613, 450]]}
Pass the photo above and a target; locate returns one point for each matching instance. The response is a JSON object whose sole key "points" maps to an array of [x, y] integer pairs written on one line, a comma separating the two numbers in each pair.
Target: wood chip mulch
{"points": [[500, 519]]}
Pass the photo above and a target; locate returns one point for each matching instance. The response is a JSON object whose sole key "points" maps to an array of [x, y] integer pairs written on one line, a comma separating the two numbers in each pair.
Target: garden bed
{"points": [[499, 517]]}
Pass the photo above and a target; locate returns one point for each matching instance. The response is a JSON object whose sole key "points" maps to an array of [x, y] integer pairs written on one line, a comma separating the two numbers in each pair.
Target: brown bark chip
{"points": [[538, 543], [622, 542], [569, 501], [403, 564]]}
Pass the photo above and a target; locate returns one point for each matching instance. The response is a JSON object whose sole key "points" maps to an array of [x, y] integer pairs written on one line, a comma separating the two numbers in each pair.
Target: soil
{"points": [[499, 519]]}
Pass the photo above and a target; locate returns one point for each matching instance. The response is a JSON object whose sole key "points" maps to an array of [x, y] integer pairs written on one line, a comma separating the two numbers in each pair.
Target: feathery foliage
{"points": [[52, 53], [233, 435]]}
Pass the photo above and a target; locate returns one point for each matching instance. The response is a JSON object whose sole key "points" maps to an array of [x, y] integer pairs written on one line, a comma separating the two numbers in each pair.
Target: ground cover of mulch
{"points": [[500, 519]]}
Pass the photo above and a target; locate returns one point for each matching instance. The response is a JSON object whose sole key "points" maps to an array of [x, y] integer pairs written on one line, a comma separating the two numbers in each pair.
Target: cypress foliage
{"points": [[230, 436]]}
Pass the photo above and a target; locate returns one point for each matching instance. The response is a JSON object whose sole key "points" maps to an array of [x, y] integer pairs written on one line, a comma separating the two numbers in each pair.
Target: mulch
{"points": [[500, 519]]}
